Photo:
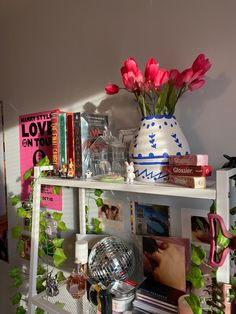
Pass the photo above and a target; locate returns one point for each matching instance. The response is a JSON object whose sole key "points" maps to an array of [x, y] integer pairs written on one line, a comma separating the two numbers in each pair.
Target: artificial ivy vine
{"points": [[47, 247], [94, 226]]}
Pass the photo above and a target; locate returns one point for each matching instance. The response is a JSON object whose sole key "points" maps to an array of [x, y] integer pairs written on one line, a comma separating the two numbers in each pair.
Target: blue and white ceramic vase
{"points": [[157, 138]]}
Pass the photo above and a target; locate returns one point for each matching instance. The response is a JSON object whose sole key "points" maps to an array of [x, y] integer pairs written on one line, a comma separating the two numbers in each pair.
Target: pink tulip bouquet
{"points": [[158, 90]]}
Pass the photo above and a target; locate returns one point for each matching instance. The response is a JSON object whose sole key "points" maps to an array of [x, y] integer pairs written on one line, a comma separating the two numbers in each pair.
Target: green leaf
{"points": [[56, 190], [21, 212], [57, 242], [16, 232], [15, 200], [57, 216], [86, 209], [213, 207], [62, 226], [162, 99], [15, 272], [98, 192], [172, 101], [198, 254], [39, 284], [15, 299], [39, 311], [41, 252], [44, 162], [41, 270], [60, 276], [233, 211], [232, 231], [96, 223], [59, 257], [99, 202], [20, 247], [60, 305], [27, 174], [194, 275], [17, 281], [194, 303], [20, 310], [222, 241]]}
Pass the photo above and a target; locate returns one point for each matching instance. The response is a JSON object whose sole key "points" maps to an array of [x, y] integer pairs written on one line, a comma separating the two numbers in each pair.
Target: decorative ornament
{"points": [[51, 286]]}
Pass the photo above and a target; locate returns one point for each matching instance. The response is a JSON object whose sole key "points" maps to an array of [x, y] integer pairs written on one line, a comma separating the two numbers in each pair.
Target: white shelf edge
{"points": [[136, 187]]}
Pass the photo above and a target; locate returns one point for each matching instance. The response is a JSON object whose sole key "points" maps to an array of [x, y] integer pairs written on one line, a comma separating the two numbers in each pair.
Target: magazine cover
{"points": [[35, 143], [149, 219], [166, 260]]}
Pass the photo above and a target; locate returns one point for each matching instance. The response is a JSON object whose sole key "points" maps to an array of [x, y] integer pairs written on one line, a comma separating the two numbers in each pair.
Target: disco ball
{"points": [[111, 259]]}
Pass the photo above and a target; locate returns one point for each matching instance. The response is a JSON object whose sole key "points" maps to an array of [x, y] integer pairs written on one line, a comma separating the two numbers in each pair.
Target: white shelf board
{"points": [[136, 187]]}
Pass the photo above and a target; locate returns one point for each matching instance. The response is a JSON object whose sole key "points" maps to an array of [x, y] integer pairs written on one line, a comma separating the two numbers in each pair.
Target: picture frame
{"points": [[195, 226]]}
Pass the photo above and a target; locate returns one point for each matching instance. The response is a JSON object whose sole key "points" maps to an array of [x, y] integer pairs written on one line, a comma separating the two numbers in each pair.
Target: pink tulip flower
{"points": [[151, 70], [201, 64], [112, 89], [161, 78], [196, 84], [131, 75], [176, 78]]}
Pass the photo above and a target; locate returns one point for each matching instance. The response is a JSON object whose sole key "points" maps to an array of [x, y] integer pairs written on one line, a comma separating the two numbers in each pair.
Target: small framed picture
{"points": [[196, 227]]}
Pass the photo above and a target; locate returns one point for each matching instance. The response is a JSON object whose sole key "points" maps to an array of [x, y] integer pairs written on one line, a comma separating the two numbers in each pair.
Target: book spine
{"points": [[189, 160], [70, 144], [191, 182], [195, 171], [55, 142], [77, 145], [62, 139]]}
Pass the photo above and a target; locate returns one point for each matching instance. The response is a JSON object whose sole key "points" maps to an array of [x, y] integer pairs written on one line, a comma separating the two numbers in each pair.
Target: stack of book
{"points": [[153, 298], [190, 170]]}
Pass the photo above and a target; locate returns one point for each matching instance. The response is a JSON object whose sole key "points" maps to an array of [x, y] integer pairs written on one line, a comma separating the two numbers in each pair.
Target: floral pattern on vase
{"points": [[157, 137]]}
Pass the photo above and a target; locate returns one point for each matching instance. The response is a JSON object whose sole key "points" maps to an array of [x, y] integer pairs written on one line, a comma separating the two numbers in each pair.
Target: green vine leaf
{"points": [[15, 299], [15, 272], [21, 212], [195, 277], [16, 232], [60, 276], [15, 200], [27, 174], [20, 310], [194, 303], [44, 162], [96, 223], [41, 270], [59, 257], [17, 281], [99, 202], [198, 254], [40, 284], [57, 216], [233, 211], [57, 242], [20, 247], [98, 192], [60, 305], [213, 207], [62, 226], [39, 311], [56, 190], [222, 241]]}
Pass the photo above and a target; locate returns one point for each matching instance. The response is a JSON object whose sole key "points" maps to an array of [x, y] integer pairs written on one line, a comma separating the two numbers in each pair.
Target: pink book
{"points": [[189, 160]]}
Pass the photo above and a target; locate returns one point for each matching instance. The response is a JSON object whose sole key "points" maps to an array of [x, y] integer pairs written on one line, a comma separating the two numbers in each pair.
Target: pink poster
{"points": [[36, 143]]}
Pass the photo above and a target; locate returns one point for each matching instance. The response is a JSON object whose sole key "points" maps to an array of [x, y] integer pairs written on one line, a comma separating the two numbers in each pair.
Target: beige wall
{"points": [[61, 53]]}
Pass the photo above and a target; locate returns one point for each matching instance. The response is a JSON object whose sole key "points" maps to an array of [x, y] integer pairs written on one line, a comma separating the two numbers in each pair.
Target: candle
{"points": [[81, 252], [183, 306]]}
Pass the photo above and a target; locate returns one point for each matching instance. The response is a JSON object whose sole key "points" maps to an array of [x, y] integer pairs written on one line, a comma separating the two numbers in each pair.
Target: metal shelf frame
{"points": [[219, 192]]}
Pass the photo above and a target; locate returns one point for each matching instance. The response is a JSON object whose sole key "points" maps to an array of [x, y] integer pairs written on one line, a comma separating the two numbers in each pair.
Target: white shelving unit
{"points": [[221, 192]]}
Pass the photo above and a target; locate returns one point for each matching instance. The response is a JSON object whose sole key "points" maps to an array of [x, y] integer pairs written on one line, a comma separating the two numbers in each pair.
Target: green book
{"points": [[62, 139]]}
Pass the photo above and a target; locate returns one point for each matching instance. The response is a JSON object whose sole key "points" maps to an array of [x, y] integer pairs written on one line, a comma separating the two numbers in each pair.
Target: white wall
{"points": [[61, 53]]}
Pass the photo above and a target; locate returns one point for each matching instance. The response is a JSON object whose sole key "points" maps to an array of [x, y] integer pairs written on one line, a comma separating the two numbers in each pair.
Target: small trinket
{"points": [[129, 172], [77, 283], [51, 286]]}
